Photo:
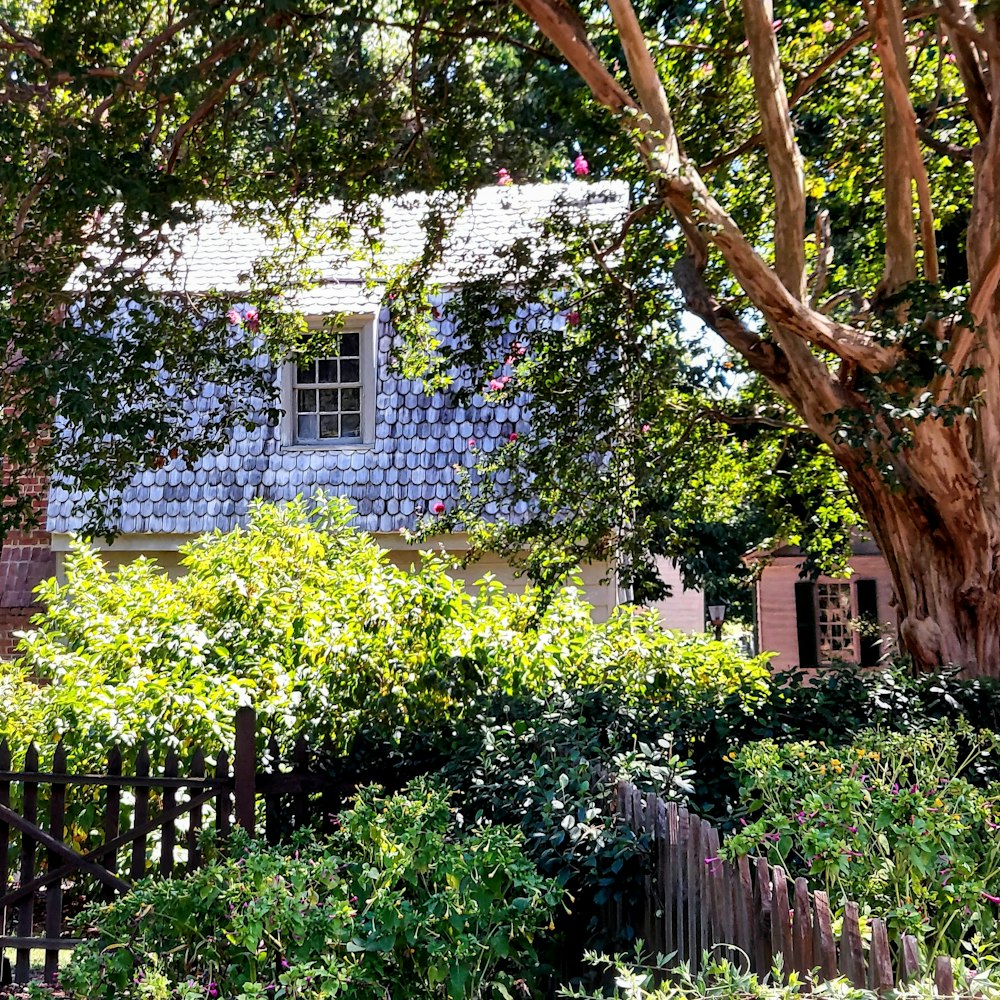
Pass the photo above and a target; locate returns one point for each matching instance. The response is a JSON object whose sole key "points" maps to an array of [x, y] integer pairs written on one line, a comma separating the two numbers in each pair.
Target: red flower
{"points": [[438, 508], [513, 436], [573, 318]]}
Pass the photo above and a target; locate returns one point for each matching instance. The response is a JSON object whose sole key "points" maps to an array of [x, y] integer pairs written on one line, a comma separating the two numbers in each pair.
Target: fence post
{"points": [[245, 769]]}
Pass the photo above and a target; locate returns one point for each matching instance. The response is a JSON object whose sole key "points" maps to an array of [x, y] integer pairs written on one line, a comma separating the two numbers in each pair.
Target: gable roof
{"points": [[419, 438]]}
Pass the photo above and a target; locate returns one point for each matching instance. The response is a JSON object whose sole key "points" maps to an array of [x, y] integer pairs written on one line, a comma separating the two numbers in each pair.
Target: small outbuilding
{"points": [[814, 623]]}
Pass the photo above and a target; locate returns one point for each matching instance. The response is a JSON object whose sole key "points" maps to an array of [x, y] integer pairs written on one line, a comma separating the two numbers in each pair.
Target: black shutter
{"points": [[871, 647], [805, 621]]}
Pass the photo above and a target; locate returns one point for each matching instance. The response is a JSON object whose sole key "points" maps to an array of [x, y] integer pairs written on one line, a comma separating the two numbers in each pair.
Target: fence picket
{"points": [[26, 908], [112, 815], [781, 925], [54, 893], [880, 975], [300, 763], [671, 880], [719, 875], [272, 800], [168, 831], [223, 801], [694, 860], [802, 931], [824, 943], [743, 904], [762, 916], [195, 770], [245, 770], [140, 815], [852, 956], [909, 959], [944, 977], [684, 945], [704, 890], [651, 922], [664, 936]]}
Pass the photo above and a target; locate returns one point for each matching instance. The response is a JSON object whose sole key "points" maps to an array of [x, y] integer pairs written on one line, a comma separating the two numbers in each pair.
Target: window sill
{"points": [[332, 446]]}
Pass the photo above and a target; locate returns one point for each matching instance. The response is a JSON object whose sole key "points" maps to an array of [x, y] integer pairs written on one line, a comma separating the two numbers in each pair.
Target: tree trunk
{"points": [[945, 570]]}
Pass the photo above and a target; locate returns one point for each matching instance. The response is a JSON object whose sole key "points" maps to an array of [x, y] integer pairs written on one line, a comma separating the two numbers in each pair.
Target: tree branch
{"points": [[953, 15], [901, 146], [784, 160]]}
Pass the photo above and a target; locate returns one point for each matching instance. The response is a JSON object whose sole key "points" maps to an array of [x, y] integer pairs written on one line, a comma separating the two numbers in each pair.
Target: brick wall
{"points": [[26, 558]]}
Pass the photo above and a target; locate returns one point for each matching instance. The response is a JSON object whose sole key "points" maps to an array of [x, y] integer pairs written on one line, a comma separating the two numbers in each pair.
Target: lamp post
{"points": [[717, 615]]}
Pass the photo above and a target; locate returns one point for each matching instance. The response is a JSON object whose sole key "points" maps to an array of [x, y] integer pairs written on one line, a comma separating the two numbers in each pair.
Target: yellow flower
{"points": [[938, 803]]}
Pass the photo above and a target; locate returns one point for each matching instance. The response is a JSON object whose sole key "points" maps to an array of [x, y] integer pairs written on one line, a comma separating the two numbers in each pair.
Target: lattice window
{"points": [[327, 395], [833, 622]]}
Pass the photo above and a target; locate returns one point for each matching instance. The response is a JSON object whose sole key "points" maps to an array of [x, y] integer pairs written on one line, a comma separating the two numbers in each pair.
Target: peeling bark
{"points": [[932, 504]]}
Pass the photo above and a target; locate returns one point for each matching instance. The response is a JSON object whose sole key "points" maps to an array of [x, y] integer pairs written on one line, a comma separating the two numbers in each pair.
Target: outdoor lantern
{"points": [[717, 615]]}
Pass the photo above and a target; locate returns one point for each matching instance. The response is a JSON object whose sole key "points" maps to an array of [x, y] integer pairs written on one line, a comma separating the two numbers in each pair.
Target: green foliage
{"points": [[305, 618], [634, 978], [888, 821], [396, 902]]}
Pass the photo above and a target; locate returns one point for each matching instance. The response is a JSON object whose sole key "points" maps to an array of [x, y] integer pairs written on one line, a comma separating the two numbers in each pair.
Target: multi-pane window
{"points": [[833, 622], [327, 395]]}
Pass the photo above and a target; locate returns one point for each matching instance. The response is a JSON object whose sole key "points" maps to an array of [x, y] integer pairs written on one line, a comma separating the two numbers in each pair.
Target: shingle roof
{"points": [[419, 438]]}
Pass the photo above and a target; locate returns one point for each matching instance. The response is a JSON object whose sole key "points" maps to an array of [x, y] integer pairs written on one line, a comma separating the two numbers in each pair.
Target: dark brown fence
{"points": [[695, 902], [155, 828]]}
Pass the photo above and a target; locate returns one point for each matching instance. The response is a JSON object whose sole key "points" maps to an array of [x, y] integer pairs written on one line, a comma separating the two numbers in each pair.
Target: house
{"points": [[810, 623], [351, 425]]}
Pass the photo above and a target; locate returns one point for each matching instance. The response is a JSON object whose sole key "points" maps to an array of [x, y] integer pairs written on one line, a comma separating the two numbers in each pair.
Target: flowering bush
{"points": [[396, 903], [889, 821]]}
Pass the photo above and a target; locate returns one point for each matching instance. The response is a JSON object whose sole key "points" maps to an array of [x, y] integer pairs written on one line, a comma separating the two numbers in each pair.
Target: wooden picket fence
{"points": [[155, 828], [694, 902]]}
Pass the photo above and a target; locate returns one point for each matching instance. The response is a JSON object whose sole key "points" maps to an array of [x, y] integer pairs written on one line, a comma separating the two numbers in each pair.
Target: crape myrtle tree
{"points": [[832, 172]]}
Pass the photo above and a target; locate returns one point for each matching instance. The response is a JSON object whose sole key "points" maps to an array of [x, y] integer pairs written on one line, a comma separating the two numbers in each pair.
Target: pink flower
{"points": [[253, 319], [580, 166], [438, 508], [503, 178], [776, 25], [827, 26], [496, 384], [572, 318], [513, 436], [992, 899], [645, 428], [234, 317], [472, 442]]}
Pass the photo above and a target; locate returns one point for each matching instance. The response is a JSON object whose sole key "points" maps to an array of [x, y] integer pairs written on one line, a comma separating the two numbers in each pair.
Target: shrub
{"points": [[888, 821], [307, 619], [631, 978], [395, 904]]}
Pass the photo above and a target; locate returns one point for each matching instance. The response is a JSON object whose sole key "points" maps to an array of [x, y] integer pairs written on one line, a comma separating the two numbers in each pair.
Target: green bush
{"points": [[888, 821], [306, 619], [397, 903], [725, 978]]}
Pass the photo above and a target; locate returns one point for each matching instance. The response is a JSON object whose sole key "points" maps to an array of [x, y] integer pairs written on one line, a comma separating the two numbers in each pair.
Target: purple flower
{"points": [[284, 964], [852, 829], [213, 990], [992, 899]]}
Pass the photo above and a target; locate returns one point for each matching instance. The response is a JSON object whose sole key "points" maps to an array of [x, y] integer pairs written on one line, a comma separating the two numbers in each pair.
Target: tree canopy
{"points": [[814, 183]]}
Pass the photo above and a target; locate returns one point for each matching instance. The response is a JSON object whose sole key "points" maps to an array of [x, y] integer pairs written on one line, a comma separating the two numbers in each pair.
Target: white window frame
{"points": [[364, 326], [846, 655]]}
